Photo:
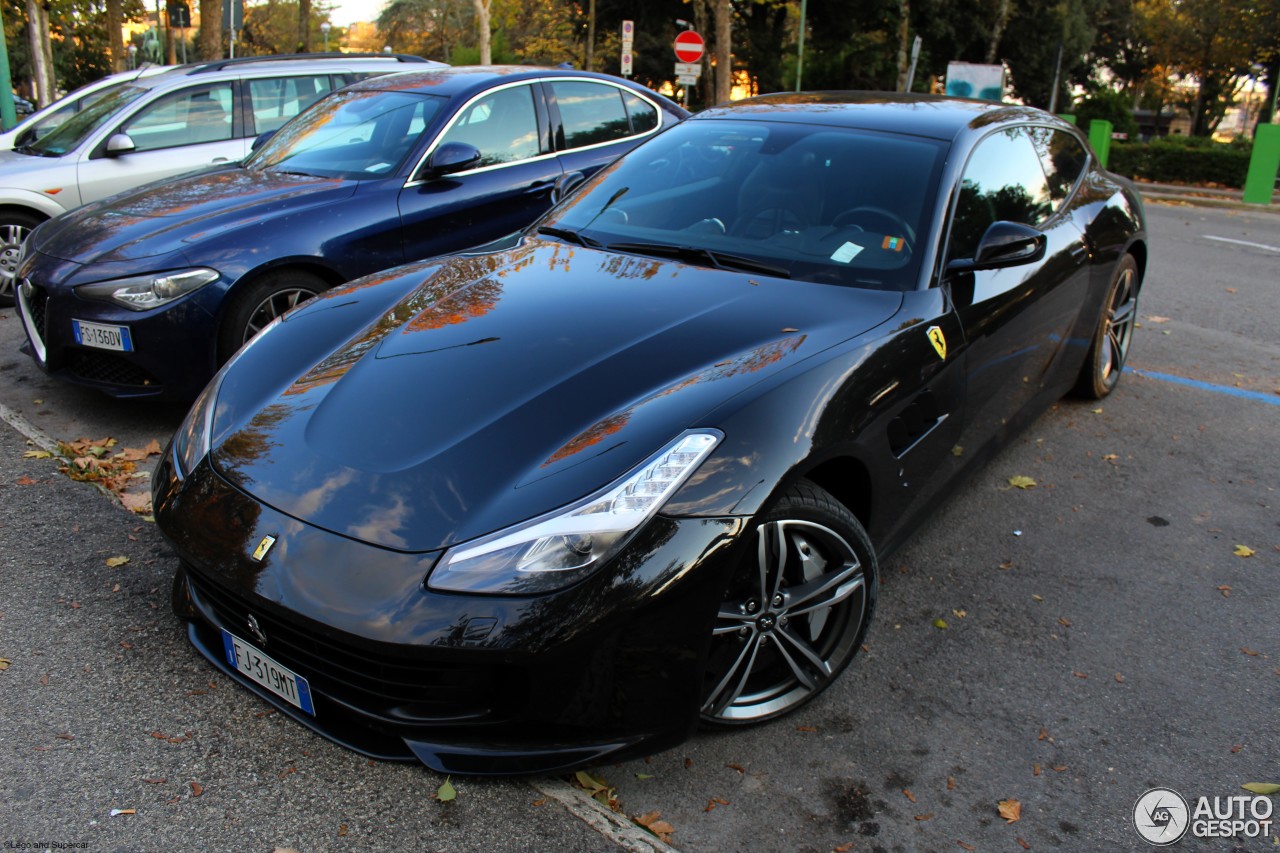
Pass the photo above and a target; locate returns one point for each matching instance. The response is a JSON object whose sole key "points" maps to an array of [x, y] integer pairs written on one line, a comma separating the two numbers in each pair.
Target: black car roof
{"points": [[932, 116]]}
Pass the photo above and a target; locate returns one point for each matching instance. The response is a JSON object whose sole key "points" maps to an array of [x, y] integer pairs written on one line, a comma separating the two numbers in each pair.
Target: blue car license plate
{"points": [[102, 336]]}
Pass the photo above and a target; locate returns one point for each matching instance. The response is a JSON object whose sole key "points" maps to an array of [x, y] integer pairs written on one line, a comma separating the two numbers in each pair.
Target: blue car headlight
{"points": [[559, 548], [144, 292]]}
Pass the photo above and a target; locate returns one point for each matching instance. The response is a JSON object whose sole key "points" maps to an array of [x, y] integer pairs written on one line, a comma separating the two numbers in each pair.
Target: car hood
{"points": [[169, 216], [30, 172], [509, 384]]}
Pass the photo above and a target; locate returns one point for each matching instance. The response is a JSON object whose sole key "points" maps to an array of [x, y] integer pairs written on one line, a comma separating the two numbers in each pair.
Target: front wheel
{"points": [[14, 230], [794, 613], [1110, 346], [261, 302]]}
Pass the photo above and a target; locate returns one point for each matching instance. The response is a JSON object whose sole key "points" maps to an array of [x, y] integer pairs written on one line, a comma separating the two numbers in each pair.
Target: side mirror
{"points": [[450, 158], [261, 140], [1005, 244], [565, 184], [118, 144]]}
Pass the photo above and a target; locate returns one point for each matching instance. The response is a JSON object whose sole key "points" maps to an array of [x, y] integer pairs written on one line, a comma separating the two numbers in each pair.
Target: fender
{"points": [[11, 197]]}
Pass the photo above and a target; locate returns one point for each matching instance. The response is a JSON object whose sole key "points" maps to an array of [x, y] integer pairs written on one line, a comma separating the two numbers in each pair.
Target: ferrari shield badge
{"points": [[938, 340], [267, 541]]}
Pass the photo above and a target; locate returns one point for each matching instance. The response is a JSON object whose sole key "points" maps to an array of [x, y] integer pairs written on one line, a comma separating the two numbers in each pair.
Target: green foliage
{"points": [[1108, 105], [78, 36], [1180, 161], [272, 27]]}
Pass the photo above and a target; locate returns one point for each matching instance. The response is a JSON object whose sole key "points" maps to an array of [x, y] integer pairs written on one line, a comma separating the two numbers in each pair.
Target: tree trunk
{"points": [[211, 29], [171, 47], [724, 51], [590, 62], [482, 28], [115, 34], [904, 51], [304, 26], [997, 30], [41, 54]]}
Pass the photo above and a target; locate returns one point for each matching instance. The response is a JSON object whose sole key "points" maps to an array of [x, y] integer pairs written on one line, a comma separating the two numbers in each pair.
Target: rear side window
{"points": [[591, 113], [1063, 158], [189, 117], [644, 116], [276, 100], [1003, 180]]}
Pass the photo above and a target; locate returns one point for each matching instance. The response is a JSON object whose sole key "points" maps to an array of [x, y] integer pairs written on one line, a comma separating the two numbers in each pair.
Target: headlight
{"points": [[144, 292], [562, 547], [191, 441]]}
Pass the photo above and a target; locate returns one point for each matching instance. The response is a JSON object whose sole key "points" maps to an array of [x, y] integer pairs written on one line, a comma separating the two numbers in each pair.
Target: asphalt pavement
{"points": [[1102, 637]]}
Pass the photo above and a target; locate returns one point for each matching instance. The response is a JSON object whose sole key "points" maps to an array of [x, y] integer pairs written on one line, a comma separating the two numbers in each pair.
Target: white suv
{"points": [[186, 118]]}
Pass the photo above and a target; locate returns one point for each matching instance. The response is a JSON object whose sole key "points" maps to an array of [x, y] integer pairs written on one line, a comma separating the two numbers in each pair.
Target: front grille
{"points": [[97, 366], [391, 683], [37, 302]]}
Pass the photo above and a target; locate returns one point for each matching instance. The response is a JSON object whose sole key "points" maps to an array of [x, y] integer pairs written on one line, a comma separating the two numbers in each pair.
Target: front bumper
{"points": [[174, 345], [484, 685]]}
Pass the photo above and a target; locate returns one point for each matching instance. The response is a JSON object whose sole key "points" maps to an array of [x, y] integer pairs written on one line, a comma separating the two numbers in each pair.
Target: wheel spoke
{"points": [[723, 696], [850, 582], [807, 652], [1123, 314], [799, 595], [734, 618]]}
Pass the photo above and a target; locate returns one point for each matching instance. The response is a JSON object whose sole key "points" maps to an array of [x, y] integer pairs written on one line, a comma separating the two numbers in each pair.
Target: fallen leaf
{"points": [[126, 645], [1237, 748], [541, 801], [44, 679], [843, 848], [1231, 290], [959, 614], [951, 783], [1022, 482], [196, 789], [940, 623], [1078, 674], [1240, 551], [906, 792], [157, 781], [1225, 590], [342, 830], [966, 846], [159, 736], [644, 775], [688, 762], [737, 767], [1010, 810], [1006, 565], [1044, 733], [65, 736], [957, 451], [1059, 768], [1264, 789], [115, 812], [1037, 597], [1025, 845], [1064, 622], [1097, 411], [652, 821], [1157, 319], [805, 729], [928, 816], [1110, 457], [37, 454], [715, 801], [138, 502], [1119, 678], [116, 562], [25, 480], [1035, 769], [1250, 652], [446, 792]]}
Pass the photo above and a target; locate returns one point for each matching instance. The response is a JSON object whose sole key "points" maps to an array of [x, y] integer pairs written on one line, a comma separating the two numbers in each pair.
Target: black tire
{"points": [[1110, 345], [787, 629], [260, 302], [15, 227]]}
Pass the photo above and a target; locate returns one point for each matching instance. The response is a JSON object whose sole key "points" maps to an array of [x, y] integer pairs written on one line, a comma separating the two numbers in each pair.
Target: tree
{"points": [[482, 30], [271, 27], [723, 16], [115, 24], [210, 38]]}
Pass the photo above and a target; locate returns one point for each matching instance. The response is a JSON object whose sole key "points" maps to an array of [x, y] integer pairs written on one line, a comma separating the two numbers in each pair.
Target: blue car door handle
{"points": [[540, 187]]}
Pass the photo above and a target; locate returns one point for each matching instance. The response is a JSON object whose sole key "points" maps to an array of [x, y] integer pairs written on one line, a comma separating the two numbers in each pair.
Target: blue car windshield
{"points": [[68, 135], [804, 201], [350, 135]]}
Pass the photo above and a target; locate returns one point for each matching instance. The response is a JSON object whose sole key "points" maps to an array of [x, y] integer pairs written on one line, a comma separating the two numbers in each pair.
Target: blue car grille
{"points": [[391, 684], [108, 368]]}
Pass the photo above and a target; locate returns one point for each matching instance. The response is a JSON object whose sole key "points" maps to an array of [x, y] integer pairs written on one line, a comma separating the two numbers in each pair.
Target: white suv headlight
{"points": [[144, 292], [564, 546]]}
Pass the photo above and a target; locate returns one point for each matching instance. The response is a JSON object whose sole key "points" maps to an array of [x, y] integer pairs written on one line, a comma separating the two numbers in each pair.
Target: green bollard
{"points": [[1263, 165], [1067, 117], [1100, 139]]}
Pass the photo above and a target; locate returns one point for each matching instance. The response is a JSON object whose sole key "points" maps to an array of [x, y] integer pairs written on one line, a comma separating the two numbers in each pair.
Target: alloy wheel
{"points": [[272, 307]]}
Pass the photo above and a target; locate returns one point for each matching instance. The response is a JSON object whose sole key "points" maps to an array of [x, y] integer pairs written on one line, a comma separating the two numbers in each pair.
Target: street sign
{"points": [[626, 63], [689, 69], [628, 34], [179, 14], [689, 46], [233, 16], [686, 80]]}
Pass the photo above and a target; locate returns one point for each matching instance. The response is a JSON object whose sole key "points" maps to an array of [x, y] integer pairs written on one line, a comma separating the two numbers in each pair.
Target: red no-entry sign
{"points": [[689, 46]]}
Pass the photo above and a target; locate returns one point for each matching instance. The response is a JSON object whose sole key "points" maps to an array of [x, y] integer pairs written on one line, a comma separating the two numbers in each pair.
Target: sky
{"points": [[347, 12]]}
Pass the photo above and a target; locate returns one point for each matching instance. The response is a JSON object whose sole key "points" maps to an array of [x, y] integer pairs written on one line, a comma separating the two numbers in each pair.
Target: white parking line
{"points": [[1243, 243], [33, 433], [617, 828]]}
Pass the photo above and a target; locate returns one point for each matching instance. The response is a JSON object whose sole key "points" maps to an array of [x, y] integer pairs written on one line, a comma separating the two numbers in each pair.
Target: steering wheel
{"points": [[876, 219]]}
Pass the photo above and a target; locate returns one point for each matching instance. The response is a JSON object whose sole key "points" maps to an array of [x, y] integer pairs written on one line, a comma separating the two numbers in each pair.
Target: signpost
{"points": [[628, 34]]}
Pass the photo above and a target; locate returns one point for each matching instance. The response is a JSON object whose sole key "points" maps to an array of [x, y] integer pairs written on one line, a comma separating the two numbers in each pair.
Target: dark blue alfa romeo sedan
{"points": [[147, 292]]}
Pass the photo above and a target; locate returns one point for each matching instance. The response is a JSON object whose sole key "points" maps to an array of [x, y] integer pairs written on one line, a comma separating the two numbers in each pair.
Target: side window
{"points": [[1063, 158], [644, 117], [590, 112], [276, 100], [191, 116], [1003, 180], [502, 124]]}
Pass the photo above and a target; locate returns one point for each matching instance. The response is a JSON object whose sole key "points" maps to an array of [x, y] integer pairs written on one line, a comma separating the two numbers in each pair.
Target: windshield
{"points": [[68, 135], [803, 201], [352, 135]]}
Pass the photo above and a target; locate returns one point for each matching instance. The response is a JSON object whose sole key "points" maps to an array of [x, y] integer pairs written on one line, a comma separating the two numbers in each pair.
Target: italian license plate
{"points": [[259, 668], [102, 336]]}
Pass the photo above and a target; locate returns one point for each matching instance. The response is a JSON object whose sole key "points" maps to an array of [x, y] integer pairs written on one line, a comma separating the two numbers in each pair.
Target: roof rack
{"points": [[219, 64]]}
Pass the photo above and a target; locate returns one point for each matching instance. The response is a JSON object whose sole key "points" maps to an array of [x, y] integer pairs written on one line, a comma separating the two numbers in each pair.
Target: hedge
{"points": [[1167, 161]]}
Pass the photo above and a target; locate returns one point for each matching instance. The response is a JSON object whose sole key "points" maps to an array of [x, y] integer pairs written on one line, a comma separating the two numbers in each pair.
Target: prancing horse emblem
{"points": [[938, 340], [256, 630], [263, 547]]}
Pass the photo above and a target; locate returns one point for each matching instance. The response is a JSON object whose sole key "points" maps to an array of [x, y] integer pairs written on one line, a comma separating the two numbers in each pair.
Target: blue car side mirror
{"points": [[452, 157]]}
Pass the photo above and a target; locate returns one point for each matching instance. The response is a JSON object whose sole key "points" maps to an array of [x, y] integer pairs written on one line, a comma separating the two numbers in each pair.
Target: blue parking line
{"points": [[1270, 399]]}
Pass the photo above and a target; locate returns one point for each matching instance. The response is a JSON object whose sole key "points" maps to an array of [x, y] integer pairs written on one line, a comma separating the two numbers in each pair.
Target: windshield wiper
{"points": [[32, 151], [570, 235], [696, 254]]}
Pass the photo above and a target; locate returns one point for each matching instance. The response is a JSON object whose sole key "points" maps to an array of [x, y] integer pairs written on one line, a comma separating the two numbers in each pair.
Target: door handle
{"points": [[221, 160], [540, 187]]}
